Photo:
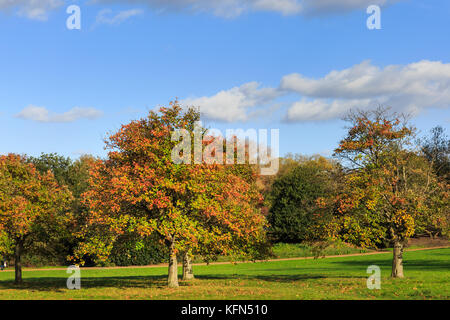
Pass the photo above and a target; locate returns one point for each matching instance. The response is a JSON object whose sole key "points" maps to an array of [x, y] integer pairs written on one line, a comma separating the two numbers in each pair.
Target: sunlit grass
{"points": [[427, 277]]}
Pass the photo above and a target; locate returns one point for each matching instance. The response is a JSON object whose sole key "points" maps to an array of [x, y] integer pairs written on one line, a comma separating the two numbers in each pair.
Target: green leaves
{"points": [[293, 198]]}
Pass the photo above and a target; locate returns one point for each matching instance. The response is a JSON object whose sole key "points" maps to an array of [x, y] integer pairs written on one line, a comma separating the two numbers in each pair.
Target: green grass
{"points": [[427, 277], [295, 250], [291, 250]]}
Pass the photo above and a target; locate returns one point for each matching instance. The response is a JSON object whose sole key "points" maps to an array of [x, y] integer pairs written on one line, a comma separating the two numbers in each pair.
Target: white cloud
{"points": [[41, 114], [234, 8], [286, 7], [222, 8], [409, 88], [104, 16], [234, 104], [321, 109], [365, 80], [32, 9]]}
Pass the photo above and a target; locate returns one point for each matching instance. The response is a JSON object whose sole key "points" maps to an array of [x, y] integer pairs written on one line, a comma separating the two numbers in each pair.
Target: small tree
{"points": [[30, 202], [387, 189]]}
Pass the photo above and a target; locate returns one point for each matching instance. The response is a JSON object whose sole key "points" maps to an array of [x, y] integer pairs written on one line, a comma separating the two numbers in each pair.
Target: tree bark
{"points": [[397, 261], [173, 267], [188, 271], [17, 262]]}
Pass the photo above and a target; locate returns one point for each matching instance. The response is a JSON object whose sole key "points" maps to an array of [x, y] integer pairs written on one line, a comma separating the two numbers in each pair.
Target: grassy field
{"points": [[296, 250], [427, 277], [292, 250]]}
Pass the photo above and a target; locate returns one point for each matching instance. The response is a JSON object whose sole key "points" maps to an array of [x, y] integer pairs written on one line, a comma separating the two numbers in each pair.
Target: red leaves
{"points": [[196, 204]]}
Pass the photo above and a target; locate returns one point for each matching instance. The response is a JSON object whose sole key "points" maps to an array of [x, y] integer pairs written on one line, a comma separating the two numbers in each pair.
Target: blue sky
{"points": [[295, 65]]}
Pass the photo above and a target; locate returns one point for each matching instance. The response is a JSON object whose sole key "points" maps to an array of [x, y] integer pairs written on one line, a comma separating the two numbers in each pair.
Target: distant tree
{"points": [[74, 175], [434, 217], [57, 164], [387, 189], [436, 148], [293, 198], [29, 209]]}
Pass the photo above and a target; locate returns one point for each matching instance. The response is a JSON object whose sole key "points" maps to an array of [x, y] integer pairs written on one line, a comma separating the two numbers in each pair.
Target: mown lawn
{"points": [[427, 277]]}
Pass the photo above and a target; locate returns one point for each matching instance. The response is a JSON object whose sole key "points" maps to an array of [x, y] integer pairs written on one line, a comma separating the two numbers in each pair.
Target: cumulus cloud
{"points": [[405, 88], [32, 9], [322, 109], [41, 114], [410, 88], [105, 16], [235, 104]]}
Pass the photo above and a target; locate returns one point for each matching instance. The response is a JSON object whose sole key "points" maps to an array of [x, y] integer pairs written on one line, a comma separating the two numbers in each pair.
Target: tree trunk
{"points": [[173, 267], [18, 263], [188, 272], [397, 261]]}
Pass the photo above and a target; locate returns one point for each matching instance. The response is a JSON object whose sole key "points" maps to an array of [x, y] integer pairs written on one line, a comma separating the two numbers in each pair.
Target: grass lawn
{"points": [[427, 277]]}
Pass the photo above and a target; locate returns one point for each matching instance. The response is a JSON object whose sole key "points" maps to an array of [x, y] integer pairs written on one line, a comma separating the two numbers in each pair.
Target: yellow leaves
{"points": [[404, 223], [371, 204]]}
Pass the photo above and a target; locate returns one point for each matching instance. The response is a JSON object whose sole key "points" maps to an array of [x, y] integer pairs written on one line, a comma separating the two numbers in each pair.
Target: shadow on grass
{"points": [[58, 284], [270, 278]]}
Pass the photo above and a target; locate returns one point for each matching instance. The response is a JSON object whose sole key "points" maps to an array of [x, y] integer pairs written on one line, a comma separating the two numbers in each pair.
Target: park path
{"points": [[227, 262]]}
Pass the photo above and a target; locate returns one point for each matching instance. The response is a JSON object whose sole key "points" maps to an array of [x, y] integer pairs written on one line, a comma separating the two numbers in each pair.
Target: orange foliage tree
{"points": [[195, 208], [29, 203]]}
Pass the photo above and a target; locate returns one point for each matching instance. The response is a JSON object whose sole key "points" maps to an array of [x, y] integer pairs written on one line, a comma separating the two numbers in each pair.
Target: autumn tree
{"points": [[140, 190], [30, 207], [387, 189]]}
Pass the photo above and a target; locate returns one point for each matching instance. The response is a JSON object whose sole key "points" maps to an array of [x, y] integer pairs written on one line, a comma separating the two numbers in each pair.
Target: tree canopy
{"points": [[140, 190], [30, 207]]}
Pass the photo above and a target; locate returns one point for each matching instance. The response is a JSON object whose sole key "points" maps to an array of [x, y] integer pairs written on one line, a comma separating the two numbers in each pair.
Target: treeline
{"points": [[138, 207]]}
